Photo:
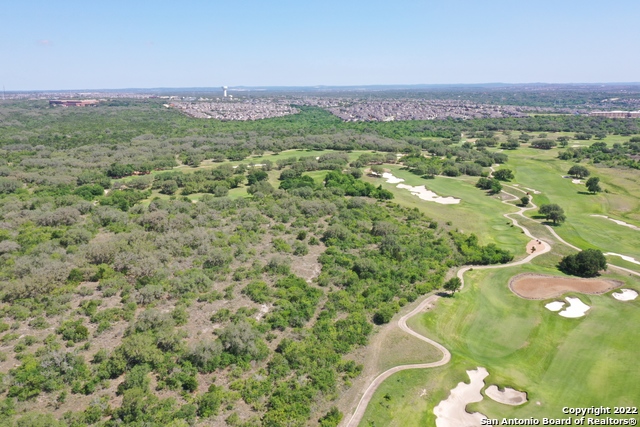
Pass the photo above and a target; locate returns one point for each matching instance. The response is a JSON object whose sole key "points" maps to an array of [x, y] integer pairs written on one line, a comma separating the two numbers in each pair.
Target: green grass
{"points": [[558, 362], [476, 213], [407, 349], [542, 171]]}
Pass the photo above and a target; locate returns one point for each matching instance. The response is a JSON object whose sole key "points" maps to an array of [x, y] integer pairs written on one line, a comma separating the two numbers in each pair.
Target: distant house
{"points": [[74, 102], [616, 114]]}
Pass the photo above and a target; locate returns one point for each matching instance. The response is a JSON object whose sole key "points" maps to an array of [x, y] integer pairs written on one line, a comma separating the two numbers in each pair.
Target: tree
{"points": [[453, 285], [525, 201], [593, 185], [563, 140], [503, 174], [496, 187], [377, 170], [579, 171], [543, 144], [552, 212], [587, 263]]}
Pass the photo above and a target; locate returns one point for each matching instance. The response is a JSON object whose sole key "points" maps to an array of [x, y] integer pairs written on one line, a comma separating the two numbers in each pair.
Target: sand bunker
{"points": [[452, 411], [555, 306], [509, 396], [625, 295], [392, 179], [538, 286], [575, 181], [428, 195], [420, 191], [576, 308], [626, 224]]}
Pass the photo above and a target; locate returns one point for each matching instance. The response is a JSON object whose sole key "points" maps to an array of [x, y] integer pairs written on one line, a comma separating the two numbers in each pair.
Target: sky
{"points": [[113, 44]]}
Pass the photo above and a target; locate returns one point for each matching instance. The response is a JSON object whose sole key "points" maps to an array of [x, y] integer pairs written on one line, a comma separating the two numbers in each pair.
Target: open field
{"points": [[523, 346]]}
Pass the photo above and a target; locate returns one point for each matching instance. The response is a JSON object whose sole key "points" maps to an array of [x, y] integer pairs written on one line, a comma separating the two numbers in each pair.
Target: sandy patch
{"points": [[392, 179], [452, 411], [575, 181], [428, 195], [624, 257], [625, 224], [538, 286], [625, 295], [534, 246], [509, 396], [576, 308], [420, 191], [554, 306]]}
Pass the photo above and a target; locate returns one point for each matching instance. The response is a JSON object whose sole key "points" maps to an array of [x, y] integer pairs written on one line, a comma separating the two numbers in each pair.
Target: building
{"points": [[616, 114], [74, 102]]}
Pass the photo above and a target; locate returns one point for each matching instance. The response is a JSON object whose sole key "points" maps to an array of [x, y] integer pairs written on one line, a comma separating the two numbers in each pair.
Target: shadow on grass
{"points": [[586, 193], [444, 294]]}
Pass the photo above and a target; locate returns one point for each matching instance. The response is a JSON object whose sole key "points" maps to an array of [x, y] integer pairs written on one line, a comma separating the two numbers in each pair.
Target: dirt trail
{"points": [[357, 415]]}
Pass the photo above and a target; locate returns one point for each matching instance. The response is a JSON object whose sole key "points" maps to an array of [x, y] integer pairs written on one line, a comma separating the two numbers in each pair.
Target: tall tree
{"points": [[552, 212]]}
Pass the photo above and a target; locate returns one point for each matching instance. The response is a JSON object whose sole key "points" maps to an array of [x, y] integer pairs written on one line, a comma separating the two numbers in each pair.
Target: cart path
{"points": [[428, 302]]}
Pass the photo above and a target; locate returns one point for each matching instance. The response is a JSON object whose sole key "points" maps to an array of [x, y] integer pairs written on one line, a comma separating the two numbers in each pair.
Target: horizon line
{"points": [[322, 86]]}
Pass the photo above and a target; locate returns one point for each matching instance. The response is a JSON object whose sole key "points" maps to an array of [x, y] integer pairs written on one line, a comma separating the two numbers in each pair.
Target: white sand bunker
{"points": [[624, 257], [555, 306], [508, 397], [392, 179], [576, 308], [625, 295], [420, 191], [575, 181], [452, 411], [626, 224], [429, 195]]}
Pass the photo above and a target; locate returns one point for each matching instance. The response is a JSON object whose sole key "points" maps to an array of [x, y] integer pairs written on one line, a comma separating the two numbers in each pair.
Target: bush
{"points": [[73, 330]]}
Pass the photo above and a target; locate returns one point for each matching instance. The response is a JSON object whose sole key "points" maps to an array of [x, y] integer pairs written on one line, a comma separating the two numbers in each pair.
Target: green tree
{"points": [[453, 285], [579, 171], [503, 174], [525, 201], [552, 212], [587, 263], [593, 185]]}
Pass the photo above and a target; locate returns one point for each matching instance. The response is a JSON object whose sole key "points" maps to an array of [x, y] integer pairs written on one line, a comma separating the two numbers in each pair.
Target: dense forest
{"points": [[120, 308]]}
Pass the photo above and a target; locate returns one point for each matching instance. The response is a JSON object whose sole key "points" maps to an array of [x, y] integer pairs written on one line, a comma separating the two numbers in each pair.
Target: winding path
{"points": [[355, 419], [428, 302]]}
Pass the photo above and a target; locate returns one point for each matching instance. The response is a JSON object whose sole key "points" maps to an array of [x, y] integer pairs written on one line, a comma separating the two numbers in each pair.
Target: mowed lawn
{"points": [[557, 361], [476, 213], [543, 171]]}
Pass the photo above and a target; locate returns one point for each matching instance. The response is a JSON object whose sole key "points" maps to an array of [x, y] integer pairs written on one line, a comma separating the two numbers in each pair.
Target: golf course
{"points": [[558, 361]]}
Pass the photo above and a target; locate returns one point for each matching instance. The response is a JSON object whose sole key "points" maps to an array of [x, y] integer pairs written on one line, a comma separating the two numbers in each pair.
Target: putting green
{"points": [[557, 361]]}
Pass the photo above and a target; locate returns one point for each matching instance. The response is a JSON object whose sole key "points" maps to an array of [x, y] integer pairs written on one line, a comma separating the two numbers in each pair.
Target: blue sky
{"points": [[69, 44]]}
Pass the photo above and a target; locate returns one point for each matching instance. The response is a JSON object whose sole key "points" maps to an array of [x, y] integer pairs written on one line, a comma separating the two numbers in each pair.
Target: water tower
{"points": [[224, 91]]}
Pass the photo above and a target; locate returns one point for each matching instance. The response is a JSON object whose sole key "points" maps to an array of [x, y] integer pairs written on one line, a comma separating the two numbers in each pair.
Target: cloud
{"points": [[45, 43]]}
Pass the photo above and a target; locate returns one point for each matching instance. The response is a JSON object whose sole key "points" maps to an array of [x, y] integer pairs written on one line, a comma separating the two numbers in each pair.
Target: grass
{"points": [[542, 171], [476, 213], [558, 362], [400, 348]]}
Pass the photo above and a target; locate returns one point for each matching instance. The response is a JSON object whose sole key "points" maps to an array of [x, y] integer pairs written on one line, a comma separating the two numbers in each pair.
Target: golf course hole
{"points": [[539, 286], [508, 397]]}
